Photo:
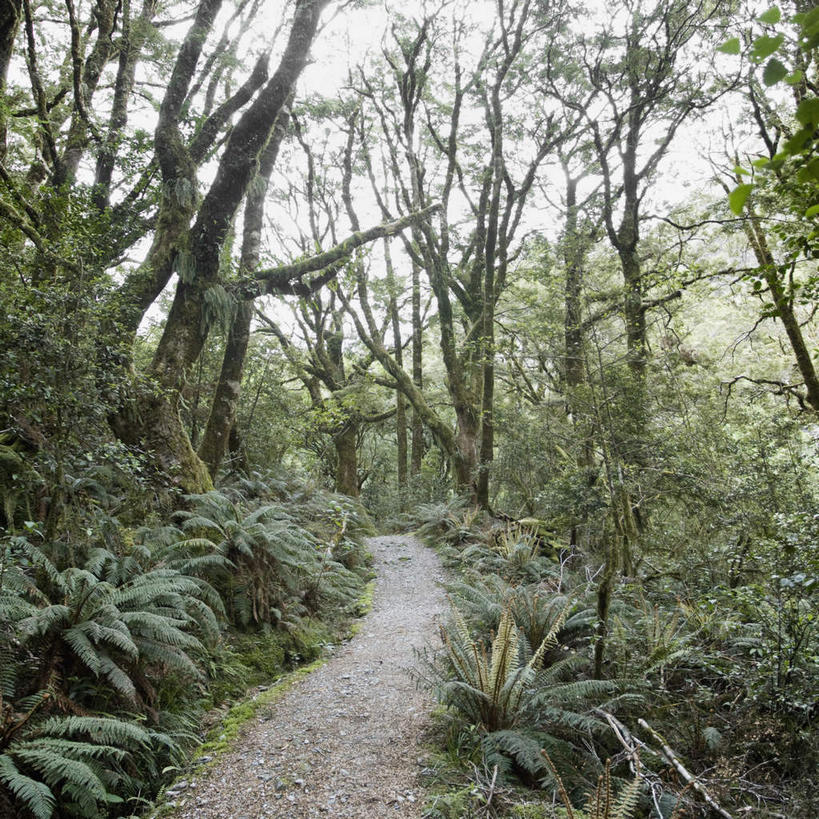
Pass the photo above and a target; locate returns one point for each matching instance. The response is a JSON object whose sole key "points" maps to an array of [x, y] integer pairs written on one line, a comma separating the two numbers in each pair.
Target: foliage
{"points": [[601, 803], [519, 699], [112, 621], [94, 632], [489, 689]]}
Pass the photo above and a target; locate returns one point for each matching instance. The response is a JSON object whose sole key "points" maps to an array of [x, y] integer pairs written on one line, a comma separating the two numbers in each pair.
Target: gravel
{"points": [[346, 740]]}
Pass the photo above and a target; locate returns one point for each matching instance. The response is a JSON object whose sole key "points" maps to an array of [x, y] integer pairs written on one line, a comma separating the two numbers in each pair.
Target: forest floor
{"points": [[347, 740]]}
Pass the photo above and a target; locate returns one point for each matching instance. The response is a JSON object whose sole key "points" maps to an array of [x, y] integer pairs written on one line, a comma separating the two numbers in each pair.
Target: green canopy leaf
{"points": [[764, 46], [730, 46], [774, 72], [738, 196], [771, 17]]}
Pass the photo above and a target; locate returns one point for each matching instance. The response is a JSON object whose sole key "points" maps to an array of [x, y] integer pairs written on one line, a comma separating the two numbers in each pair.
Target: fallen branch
{"points": [[672, 760]]}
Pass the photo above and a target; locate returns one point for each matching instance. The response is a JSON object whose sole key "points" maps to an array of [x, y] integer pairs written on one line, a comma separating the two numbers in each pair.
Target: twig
{"points": [[672, 759]]}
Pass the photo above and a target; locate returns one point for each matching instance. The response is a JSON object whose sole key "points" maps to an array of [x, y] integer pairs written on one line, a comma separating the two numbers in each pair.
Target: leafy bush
{"points": [[520, 700], [270, 569]]}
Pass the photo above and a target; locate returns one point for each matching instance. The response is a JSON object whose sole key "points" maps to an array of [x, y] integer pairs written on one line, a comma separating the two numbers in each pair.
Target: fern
{"points": [[489, 688], [65, 761], [36, 796], [263, 562], [600, 803]]}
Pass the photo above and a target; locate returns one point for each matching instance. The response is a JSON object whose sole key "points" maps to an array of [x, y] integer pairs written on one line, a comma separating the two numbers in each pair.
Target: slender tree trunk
{"points": [[10, 16], [784, 309], [487, 442], [225, 404], [575, 246], [573, 325], [401, 432], [226, 398], [86, 77], [132, 39], [417, 455], [400, 400], [634, 313], [347, 460]]}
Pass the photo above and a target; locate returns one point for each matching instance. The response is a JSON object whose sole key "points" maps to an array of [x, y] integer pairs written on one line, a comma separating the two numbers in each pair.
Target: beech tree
{"points": [[434, 150], [647, 73]]}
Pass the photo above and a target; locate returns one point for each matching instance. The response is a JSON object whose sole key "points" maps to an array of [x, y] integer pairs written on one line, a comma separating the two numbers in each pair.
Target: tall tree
{"points": [[648, 72], [432, 153]]}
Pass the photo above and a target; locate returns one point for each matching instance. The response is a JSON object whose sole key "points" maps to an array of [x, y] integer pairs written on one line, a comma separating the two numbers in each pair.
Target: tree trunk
{"points": [[347, 460], [10, 16], [465, 458], [132, 39], [784, 309], [417, 455], [156, 428], [634, 313], [186, 327], [225, 404], [573, 325], [226, 398], [400, 400]]}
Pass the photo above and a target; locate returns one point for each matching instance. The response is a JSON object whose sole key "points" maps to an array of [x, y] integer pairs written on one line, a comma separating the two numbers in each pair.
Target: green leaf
{"points": [[811, 170], [738, 196], [812, 211], [795, 78], [808, 111], [740, 171], [771, 17], [764, 46], [730, 46], [797, 142], [774, 72]]}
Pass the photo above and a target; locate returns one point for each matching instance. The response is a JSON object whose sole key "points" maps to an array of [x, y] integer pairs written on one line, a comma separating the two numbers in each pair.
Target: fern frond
{"points": [[56, 769], [118, 678], [103, 730], [35, 796]]}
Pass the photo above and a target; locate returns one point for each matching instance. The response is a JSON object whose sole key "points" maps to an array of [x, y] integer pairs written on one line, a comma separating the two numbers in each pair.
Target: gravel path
{"points": [[345, 741]]}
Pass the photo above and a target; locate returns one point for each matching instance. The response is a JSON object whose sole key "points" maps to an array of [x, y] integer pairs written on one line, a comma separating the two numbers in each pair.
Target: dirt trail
{"points": [[344, 742]]}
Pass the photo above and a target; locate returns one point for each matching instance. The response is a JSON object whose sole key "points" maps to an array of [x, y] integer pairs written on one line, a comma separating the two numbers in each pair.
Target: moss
{"points": [[363, 607], [221, 737], [309, 640]]}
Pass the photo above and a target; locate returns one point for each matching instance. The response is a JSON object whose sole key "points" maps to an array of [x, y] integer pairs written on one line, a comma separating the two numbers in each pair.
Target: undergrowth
{"points": [[699, 686], [117, 642]]}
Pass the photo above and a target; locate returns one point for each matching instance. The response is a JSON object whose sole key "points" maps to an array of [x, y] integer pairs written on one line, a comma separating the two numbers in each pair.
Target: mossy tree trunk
{"points": [[200, 291], [10, 16], [417, 448], [400, 399], [225, 402], [346, 445]]}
